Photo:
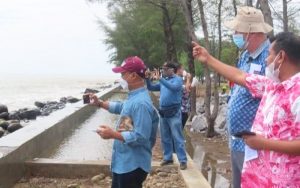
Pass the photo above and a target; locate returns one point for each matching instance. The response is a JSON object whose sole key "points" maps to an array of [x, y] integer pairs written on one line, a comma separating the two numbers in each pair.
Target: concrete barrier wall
{"points": [[40, 138]]}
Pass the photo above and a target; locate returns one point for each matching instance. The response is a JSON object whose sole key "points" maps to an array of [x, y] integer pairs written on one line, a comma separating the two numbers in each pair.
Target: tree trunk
{"points": [[191, 59], [210, 122], [285, 16], [265, 8], [234, 7], [249, 3], [171, 55]]}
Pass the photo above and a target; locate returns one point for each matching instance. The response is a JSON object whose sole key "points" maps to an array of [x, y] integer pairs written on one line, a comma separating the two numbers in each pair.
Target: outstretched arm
{"points": [[229, 72], [291, 147]]}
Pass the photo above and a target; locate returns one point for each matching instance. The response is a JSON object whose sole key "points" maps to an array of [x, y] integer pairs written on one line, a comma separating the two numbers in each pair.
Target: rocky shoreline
{"points": [[14, 120]]}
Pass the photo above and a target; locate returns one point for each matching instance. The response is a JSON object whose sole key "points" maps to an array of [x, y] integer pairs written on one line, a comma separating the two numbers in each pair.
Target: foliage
{"points": [[138, 31]]}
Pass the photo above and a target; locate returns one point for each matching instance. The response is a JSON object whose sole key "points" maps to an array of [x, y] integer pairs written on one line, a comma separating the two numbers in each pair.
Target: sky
{"points": [[53, 37]]}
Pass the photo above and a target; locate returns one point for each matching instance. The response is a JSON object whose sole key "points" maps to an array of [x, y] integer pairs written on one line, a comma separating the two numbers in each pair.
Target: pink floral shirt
{"points": [[277, 118]]}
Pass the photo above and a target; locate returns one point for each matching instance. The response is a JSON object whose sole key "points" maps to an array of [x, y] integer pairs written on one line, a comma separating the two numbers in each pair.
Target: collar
{"points": [[136, 91], [260, 49], [287, 84]]}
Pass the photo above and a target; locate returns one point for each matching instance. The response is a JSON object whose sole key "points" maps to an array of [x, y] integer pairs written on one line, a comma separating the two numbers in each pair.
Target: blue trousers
{"points": [[171, 130]]}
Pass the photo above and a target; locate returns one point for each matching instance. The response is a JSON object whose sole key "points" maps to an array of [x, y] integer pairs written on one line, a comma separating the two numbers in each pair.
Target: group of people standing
{"points": [[265, 100], [132, 149]]}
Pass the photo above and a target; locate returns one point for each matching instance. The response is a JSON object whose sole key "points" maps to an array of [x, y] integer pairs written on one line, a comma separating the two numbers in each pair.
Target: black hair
{"points": [[290, 43], [172, 65]]}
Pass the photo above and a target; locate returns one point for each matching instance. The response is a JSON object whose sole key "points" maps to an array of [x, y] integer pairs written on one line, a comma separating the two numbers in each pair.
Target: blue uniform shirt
{"points": [[242, 106], [170, 90], [136, 151]]}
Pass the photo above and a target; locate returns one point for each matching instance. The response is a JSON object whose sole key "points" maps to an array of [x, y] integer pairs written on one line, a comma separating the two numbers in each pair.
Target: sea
{"points": [[21, 91]]}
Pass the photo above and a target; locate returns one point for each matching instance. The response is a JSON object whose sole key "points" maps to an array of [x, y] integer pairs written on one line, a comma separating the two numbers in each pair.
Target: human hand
{"points": [[200, 53], [255, 141], [148, 74], [105, 132], [94, 100], [156, 74]]}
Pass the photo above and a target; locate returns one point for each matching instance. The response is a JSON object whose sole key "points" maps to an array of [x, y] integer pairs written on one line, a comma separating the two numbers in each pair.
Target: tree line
{"points": [[162, 30]]}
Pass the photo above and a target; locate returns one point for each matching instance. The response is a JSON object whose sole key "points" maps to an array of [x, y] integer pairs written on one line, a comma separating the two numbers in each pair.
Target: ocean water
{"points": [[20, 91]]}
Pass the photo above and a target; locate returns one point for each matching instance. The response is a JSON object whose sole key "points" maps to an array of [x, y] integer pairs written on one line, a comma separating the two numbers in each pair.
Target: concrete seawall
{"points": [[40, 137]]}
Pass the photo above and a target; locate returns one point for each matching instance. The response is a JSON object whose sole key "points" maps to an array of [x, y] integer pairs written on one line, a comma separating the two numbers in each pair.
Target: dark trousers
{"points": [[184, 116], [133, 179]]}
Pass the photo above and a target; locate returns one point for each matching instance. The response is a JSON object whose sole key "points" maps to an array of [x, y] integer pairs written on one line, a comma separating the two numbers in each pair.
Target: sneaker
{"points": [[183, 166], [168, 162]]}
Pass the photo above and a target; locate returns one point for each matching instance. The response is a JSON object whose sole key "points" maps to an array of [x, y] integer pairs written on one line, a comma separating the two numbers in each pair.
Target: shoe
{"points": [[183, 166], [168, 162]]}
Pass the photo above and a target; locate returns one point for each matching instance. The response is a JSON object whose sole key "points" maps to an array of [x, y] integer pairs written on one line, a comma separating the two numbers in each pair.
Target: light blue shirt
{"points": [[170, 90], [136, 151]]}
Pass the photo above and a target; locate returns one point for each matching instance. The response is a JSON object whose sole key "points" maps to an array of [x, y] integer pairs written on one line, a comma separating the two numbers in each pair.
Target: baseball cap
{"points": [[132, 64]]}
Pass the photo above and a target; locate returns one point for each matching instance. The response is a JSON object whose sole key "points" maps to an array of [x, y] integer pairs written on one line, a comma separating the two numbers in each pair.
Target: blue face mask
{"points": [[238, 40]]}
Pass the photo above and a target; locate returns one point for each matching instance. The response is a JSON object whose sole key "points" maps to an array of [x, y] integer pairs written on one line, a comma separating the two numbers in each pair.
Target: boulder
{"points": [[39, 104], [4, 115], [4, 124], [13, 127], [63, 99], [29, 113], [88, 90], [2, 131], [71, 99], [3, 108], [198, 123]]}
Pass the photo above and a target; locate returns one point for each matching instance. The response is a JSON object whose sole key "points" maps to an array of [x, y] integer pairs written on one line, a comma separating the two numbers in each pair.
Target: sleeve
{"points": [[115, 107], [151, 86], [295, 109], [142, 122], [173, 84], [256, 84]]}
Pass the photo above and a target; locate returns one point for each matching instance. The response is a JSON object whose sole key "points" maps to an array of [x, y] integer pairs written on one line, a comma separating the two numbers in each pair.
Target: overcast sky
{"points": [[52, 37]]}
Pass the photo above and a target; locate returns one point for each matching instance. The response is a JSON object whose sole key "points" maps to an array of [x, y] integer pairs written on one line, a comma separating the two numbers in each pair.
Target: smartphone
{"points": [[86, 99], [242, 133]]}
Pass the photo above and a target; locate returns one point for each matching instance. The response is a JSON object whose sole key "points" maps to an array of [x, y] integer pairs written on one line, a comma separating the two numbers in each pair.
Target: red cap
{"points": [[132, 64]]}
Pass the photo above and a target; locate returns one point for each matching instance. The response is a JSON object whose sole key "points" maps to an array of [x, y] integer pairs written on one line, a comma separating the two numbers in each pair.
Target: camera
{"points": [[86, 99]]}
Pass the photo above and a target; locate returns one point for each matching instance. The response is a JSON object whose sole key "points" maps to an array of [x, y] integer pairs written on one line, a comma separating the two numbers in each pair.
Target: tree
{"points": [[210, 117], [139, 30], [265, 8]]}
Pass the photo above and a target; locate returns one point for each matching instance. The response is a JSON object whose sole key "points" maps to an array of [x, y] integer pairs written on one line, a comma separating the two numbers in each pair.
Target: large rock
{"points": [[3, 108], [25, 113], [13, 127], [29, 114], [39, 104], [198, 123], [71, 99], [88, 90], [51, 106], [2, 131], [4, 124], [4, 115]]}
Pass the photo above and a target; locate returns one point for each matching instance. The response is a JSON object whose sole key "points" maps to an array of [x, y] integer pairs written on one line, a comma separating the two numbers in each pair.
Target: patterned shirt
{"points": [[185, 102], [277, 118], [242, 106]]}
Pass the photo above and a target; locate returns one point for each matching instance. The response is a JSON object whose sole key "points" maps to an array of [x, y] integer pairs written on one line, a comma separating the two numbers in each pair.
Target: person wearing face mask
{"points": [[273, 148], [132, 148], [170, 87], [250, 36]]}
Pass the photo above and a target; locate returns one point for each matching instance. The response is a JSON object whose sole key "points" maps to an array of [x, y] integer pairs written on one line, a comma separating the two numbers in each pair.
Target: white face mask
{"points": [[271, 72], [123, 84]]}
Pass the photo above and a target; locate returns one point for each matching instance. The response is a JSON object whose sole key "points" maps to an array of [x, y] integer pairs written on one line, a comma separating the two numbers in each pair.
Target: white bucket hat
{"points": [[249, 19]]}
